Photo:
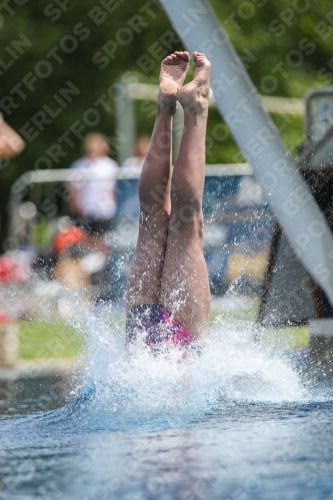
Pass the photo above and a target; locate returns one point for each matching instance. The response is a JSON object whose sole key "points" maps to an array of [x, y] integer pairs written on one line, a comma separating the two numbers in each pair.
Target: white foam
{"points": [[232, 367]]}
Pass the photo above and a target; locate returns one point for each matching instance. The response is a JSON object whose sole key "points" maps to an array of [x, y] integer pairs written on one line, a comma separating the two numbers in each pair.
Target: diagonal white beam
{"points": [[255, 133]]}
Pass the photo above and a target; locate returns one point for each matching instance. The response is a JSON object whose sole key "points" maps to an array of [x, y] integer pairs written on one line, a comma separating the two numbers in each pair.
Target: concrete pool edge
{"points": [[42, 366]]}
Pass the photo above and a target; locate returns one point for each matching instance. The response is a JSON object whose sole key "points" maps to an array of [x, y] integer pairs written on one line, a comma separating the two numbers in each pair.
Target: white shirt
{"points": [[95, 183], [133, 162]]}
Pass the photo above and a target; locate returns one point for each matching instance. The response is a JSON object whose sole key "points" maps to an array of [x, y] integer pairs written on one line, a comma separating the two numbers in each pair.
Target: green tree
{"points": [[60, 61]]}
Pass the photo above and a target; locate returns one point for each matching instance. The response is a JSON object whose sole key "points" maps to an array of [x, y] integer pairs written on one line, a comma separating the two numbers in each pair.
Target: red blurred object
{"points": [[7, 269], [68, 237], [5, 317], [14, 269]]}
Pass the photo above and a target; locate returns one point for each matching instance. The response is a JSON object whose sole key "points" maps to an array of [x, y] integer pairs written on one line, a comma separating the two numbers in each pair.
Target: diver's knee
{"points": [[188, 213]]}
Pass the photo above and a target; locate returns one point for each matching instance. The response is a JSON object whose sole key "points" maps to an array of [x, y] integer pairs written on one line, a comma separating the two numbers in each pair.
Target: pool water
{"points": [[235, 422]]}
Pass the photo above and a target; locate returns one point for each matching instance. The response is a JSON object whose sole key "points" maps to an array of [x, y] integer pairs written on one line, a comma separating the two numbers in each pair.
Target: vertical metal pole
{"points": [[258, 138], [125, 125]]}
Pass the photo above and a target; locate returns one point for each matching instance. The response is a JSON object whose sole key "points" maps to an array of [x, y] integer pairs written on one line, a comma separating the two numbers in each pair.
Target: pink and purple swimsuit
{"points": [[159, 326]]}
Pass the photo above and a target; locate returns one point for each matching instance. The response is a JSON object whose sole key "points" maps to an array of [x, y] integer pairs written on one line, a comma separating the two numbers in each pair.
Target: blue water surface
{"points": [[236, 422]]}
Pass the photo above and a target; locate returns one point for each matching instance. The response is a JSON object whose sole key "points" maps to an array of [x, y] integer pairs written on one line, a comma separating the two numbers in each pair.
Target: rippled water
{"points": [[236, 422]]}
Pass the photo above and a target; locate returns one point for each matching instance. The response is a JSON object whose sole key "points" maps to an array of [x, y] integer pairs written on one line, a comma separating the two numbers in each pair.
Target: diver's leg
{"points": [[184, 284], [154, 189]]}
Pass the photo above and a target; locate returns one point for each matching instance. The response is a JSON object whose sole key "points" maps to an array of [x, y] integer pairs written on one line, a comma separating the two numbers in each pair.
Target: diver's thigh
{"points": [[145, 274], [184, 287]]}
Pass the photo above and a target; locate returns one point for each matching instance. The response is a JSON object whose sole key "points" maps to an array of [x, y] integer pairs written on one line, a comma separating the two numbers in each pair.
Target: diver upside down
{"points": [[168, 292]]}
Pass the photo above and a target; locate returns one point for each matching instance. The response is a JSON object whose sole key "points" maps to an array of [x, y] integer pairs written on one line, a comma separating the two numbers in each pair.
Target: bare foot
{"points": [[173, 71], [194, 97]]}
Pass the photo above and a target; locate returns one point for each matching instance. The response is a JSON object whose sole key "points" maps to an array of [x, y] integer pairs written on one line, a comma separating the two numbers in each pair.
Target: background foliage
{"points": [[268, 30]]}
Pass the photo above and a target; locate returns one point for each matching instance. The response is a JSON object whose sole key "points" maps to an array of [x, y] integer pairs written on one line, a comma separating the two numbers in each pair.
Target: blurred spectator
{"points": [[93, 201], [141, 148], [68, 248], [11, 143], [70, 236]]}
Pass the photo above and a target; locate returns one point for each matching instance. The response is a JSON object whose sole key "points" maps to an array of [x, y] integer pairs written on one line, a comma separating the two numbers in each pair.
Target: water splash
{"points": [[130, 390]]}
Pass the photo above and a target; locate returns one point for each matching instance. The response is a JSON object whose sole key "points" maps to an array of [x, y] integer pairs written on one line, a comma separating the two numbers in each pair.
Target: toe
{"points": [[183, 55]]}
